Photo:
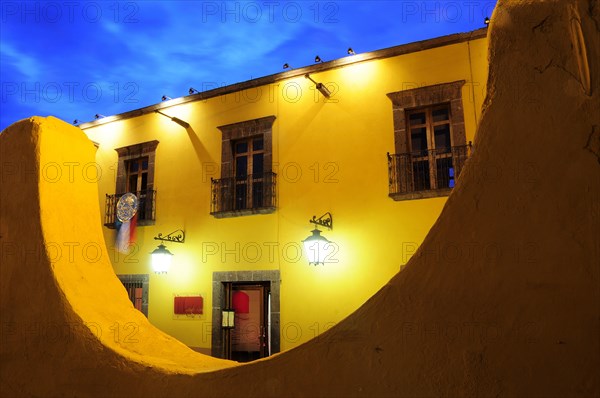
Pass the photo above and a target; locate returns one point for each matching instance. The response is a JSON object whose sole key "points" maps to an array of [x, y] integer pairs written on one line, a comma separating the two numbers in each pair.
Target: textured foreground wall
{"points": [[502, 299]]}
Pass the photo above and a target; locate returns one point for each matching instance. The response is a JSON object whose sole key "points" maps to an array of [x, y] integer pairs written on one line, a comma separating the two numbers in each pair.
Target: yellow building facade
{"points": [[372, 142]]}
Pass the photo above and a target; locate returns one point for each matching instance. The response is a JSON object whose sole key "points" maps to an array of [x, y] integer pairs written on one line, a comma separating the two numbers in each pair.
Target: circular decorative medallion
{"points": [[127, 207]]}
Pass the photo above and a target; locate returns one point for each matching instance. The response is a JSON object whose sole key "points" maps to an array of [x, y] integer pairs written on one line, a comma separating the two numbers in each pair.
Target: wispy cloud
{"points": [[24, 64]]}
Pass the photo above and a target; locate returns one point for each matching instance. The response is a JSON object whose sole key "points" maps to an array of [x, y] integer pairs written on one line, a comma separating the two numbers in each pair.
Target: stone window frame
{"points": [[126, 153], [218, 291], [249, 128], [423, 97], [231, 133]]}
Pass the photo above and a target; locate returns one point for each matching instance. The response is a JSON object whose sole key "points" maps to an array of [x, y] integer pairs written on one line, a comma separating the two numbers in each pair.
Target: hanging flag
{"points": [[123, 236], [132, 229], [127, 217]]}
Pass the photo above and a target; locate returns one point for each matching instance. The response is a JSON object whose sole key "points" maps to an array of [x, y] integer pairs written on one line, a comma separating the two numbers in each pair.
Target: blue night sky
{"points": [[74, 59]]}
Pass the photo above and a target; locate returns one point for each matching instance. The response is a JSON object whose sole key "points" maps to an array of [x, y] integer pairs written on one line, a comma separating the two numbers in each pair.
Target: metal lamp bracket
{"points": [[326, 220], [177, 236]]}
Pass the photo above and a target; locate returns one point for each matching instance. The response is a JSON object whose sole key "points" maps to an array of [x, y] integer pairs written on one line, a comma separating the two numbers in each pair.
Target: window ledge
{"points": [[434, 193], [245, 212], [140, 223]]}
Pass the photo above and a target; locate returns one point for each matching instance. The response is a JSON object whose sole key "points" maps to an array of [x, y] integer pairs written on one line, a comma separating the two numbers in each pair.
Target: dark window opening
{"points": [[247, 184], [430, 141]]}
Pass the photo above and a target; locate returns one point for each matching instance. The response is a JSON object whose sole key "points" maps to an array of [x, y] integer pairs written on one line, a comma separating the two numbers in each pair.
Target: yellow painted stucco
{"points": [[329, 156]]}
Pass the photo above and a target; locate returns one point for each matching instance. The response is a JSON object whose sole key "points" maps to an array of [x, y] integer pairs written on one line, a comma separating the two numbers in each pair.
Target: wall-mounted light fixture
{"points": [[351, 51], [486, 21], [164, 98], [98, 116], [318, 59], [287, 66], [320, 86], [192, 90], [161, 256], [161, 259], [177, 120], [316, 246], [228, 320]]}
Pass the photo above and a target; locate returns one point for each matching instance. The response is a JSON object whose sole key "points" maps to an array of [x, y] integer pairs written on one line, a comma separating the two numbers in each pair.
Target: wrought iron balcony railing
{"points": [[426, 173], [146, 208], [254, 193]]}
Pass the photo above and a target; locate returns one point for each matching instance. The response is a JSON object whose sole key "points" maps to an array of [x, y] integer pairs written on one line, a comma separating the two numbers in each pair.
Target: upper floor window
{"points": [[249, 172], [429, 129], [249, 156], [135, 174], [247, 183], [430, 141], [430, 147]]}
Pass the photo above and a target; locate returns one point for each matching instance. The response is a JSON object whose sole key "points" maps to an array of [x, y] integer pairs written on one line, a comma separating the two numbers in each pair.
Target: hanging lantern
{"points": [[161, 259], [316, 247]]}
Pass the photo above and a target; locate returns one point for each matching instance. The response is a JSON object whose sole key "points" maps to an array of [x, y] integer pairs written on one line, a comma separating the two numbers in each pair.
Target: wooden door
{"points": [[249, 339]]}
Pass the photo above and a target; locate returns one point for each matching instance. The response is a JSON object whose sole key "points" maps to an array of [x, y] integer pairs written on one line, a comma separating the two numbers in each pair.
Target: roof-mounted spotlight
{"points": [[164, 98], [486, 21], [326, 93], [287, 66], [318, 59], [98, 116], [192, 90], [351, 51], [76, 122]]}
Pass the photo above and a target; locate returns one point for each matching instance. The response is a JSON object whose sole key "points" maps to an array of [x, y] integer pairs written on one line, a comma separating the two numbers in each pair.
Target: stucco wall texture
{"points": [[502, 298]]}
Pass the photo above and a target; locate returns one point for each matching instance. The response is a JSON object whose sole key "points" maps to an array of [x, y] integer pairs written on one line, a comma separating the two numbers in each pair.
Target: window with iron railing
{"points": [[135, 174], [430, 141], [245, 194], [247, 184], [146, 213], [425, 173]]}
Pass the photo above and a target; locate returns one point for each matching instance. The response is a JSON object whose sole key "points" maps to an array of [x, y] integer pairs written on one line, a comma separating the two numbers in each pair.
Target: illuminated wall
{"points": [[329, 156]]}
